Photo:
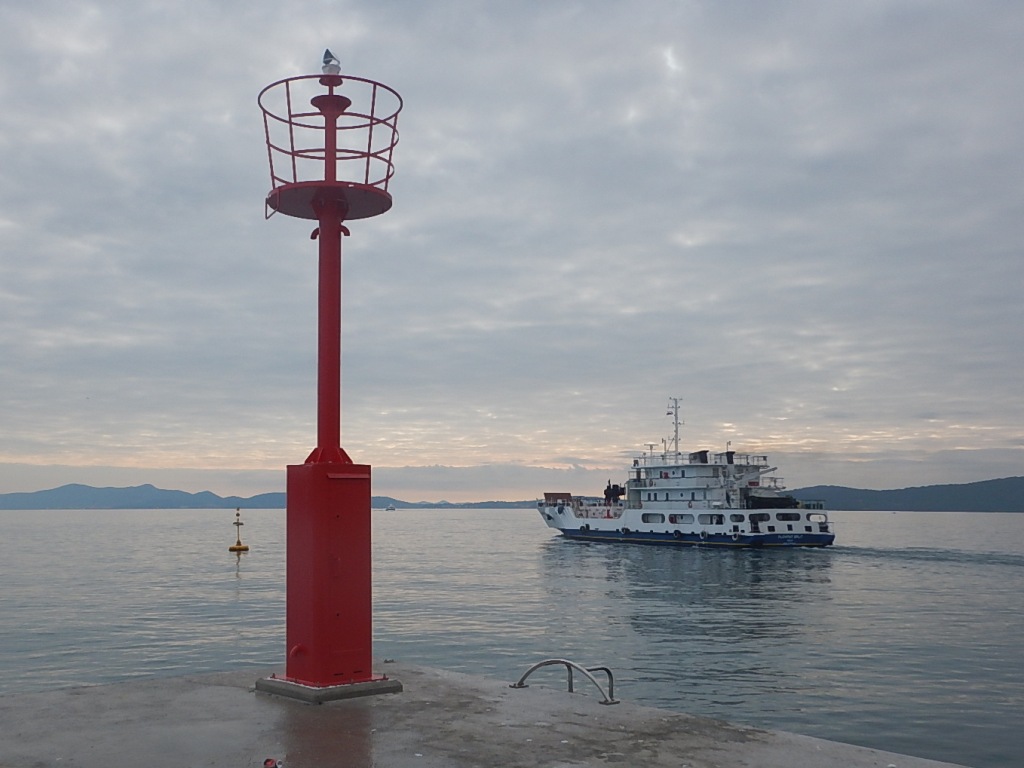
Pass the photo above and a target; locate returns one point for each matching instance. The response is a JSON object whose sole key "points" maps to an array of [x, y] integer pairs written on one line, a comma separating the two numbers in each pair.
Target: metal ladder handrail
{"points": [[609, 697]]}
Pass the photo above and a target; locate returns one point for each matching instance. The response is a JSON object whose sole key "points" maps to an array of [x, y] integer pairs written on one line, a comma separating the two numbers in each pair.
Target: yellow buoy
{"points": [[238, 546]]}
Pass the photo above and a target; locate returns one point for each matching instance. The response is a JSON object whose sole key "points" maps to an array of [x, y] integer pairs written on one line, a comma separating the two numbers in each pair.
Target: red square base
{"points": [[329, 632]]}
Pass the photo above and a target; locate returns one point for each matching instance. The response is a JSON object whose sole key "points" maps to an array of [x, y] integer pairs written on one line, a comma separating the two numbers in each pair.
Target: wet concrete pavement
{"points": [[440, 719]]}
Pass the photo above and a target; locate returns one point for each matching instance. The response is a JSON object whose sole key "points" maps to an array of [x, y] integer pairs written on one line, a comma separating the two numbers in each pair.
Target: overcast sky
{"points": [[803, 218]]}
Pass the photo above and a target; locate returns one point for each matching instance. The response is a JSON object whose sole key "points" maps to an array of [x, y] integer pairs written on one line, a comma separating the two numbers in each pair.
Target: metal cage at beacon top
{"points": [[330, 137]]}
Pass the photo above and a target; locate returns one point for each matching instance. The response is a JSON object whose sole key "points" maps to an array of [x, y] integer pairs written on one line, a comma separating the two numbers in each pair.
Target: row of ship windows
{"points": [[653, 495], [715, 472], [719, 519]]}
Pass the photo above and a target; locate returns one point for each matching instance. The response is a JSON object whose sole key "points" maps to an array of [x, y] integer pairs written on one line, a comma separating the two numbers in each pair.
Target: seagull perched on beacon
{"points": [[331, 64]]}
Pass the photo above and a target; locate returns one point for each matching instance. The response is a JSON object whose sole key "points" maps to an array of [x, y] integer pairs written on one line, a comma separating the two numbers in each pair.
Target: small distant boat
{"points": [[726, 499], [389, 508]]}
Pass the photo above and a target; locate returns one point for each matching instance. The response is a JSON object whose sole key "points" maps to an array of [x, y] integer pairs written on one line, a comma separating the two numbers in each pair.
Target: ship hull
{"points": [[685, 527], [734, 541]]}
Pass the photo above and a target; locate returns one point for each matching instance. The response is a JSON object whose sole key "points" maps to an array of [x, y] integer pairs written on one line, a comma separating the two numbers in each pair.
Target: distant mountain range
{"points": [[77, 496], [1005, 495]]}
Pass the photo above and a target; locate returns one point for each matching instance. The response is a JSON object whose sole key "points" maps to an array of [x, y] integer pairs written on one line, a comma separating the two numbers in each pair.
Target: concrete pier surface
{"points": [[440, 719]]}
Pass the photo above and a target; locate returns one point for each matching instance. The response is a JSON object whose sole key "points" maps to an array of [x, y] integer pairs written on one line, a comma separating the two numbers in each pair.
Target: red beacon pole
{"points": [[330, 155]]}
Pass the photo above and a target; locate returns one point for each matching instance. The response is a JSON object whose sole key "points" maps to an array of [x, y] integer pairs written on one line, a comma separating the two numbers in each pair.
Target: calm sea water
{"points": [[906, 636]]}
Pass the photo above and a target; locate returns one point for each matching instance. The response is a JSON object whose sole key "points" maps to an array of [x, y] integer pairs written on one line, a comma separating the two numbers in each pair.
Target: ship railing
{"points": [[599, 510], [716, 460], [745, 460], [648, 461], [607, 697]]}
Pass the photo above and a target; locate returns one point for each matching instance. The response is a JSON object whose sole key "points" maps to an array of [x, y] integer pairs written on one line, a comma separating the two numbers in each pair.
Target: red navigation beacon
{"points": [[330, 142]]}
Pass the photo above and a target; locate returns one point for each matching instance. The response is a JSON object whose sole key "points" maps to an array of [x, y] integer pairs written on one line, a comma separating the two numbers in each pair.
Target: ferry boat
{"points": [[726, 499]]}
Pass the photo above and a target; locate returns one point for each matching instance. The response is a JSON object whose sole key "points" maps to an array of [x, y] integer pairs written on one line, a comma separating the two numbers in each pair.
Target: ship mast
{"points": [[673, 411]]}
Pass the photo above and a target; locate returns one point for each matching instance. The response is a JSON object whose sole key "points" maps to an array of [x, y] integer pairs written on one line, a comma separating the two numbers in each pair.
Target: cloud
{"points": [[802, 219]]}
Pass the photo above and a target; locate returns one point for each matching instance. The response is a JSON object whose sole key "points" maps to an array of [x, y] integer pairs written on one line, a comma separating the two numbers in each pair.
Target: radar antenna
{"points": [[673, 411]]}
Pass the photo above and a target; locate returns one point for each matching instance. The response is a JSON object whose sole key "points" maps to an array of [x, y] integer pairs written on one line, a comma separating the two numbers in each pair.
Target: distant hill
{"points": [[137, 497], [77, 496], [1005, 495]]}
